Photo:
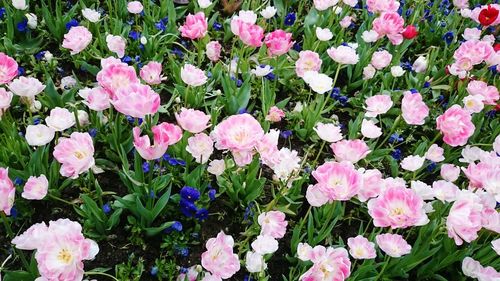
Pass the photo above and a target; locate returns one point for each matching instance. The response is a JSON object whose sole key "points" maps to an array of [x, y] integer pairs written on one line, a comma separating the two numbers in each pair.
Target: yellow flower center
{"points": [[65, 256]]}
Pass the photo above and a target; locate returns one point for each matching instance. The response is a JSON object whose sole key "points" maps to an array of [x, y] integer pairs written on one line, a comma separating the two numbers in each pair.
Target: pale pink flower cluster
{"points": [[39, 135], [219, 258], [456, 126], [5, 100], [328, 132], [151, 73], [164, 134], [278, 42], [377, 105], [76, 154], [488, 93], [397, 207], [243, 25], [393, 245], [350, 150], [7, 191], [35, 188], [474, 269], [192, 75], [485, 174], [200, 146], [343, 55], [195, 26], [469, 54], [115, 75], [381, 59], [336, 181], [8, 68], [328, 263], [116, 44], [193, 121], [308, 61], [77, 39], [60, 248], [213, 51], [361, 248], [389, 24], [381, 6], [275, 114], [322, 5], [414, 110]]}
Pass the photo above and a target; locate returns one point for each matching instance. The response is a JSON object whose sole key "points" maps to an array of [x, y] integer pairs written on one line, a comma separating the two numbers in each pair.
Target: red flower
{"points": [[496, 47], [410, 32], [488, 15]]}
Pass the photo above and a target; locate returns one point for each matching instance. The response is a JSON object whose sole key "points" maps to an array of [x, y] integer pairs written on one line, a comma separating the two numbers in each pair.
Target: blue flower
{"points": [[189, 193], [248, 278], [164, 20], [343, 100], [183, 252], [397, 154], [248, 212], [166, 157], [493, 69], [176, 226], [290, 19], [39, 55], [406, 65], [135, 35], [13, 212], [178, 52], [20, 71], [414, 91], [2, 13], [395, 138], [448, 37], [427, 84], [36, 121], [145, 167], [286, 134], [335, 94], [183, 270], [18, 181], [431, 167], [93, 132], [152, 194], [154, 270], [409, 12], [201, 214], [106, 208], [491, 113], [211, 194], [160, 26], [126, 59], [297, 47], [188, 208], [71, 23], [270, 76], [22, 26], [242, 111], [217, 26]]}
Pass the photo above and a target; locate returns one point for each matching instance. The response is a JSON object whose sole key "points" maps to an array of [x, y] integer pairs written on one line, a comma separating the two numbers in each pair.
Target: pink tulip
{"points": [[5, 100], [465, 218], [414, 110], [151, 73], [275, 114], [450, 172], [372, 185], [361, 248], [393, 245], [350, 150], [77, 39], [135, 7], [7, 191], [251, 34], [193, 76], [76, 154], [97, 99], [164, 134], [381, 59], [378, 104], [116, 44], [331, 264], [219, 258], [60, 119], [278, 42], [200, 146], [115, 76], [8, 68], [26, 87], [35, 188], [213, 50], [137, 101], [308, 61], [193, 121], [456, 126], [489, 94], [435, 153], [390, 24], [39, 135], [338, 181], [273, 224], [381, 6], [195, 26], [343, 55]]}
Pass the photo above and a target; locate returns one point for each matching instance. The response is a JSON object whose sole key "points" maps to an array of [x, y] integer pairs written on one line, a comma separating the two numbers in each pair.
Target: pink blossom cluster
{"points": [[328, 263]]}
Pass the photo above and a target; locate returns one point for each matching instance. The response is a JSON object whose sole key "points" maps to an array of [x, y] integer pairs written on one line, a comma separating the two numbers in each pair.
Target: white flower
{"points": [[412, 163], [268, 12], [471, 154], [19, 4], [289, 162], [397, 71], [323, 34], [369, 36], [48, 56], [473, 103], [38, 135], [368, 72], [298, 107], [328, 132], [262, 70], [420, 64], [423, 190], [68, 82], [144, 41], [370, 130], [32, 20], [265, 244], [255, 262], [319, 82], [216, 167], [204, 3], [336, 10], [91, 15]]}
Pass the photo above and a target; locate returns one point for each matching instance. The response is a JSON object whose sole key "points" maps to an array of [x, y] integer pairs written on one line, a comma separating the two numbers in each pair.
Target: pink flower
{"points": [[397, 207], [423, 190], [116, 44], [450, 172], [372, 185], [328, 264], [473, 52], [275, 114], [338, 181], [315, 196], [413, 108], [456, 126], [39, 135], [479, 88], [216, 167], [5, 100], [350, 150], [137, 101], [8, 68], [97, 99], [346, 21], [240, 134], [461, 4], [26, 87], [200, 146], [190, 275], [193, 76], [412, 163], [435, 153], [254, 262], [76, 154], [390, 24], [219, 258], [195, 26], [35, 188], [495, 245], [393, 245], [328, 132], [264, 245], [381, 6], [370, 130], [251, 34], [343, 55], [267, 147], [116, 76], [151, 73], [278, 42], [213, 50], [134, 7], [60, 249], [164, 134], [60, 119], [378, 104], [473, 104], [381, 59], [464, 219], [322, 5], [273, 224], [308, 61], [361, 248], [7, 191], [193, 121], [77, 39], [472, 268], [243, 16], [445, 191]]}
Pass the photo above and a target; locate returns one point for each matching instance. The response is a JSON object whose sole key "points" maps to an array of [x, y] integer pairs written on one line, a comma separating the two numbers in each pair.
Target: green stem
{"points": [[319, 153], [60, 199], [101, 273], [11, 235]]}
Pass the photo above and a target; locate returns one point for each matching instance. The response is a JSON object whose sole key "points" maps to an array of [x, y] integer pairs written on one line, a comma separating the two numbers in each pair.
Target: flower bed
{"points": [[249, 140]]}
